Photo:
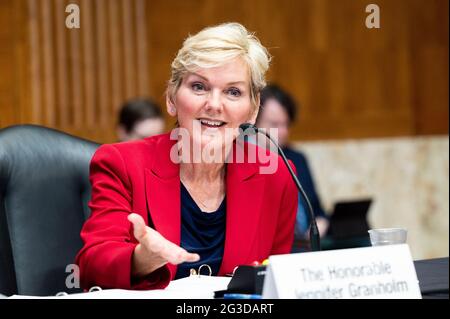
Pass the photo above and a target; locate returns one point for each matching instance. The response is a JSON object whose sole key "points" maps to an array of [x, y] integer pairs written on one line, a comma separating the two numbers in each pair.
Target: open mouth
{"points": [[211, 123]]}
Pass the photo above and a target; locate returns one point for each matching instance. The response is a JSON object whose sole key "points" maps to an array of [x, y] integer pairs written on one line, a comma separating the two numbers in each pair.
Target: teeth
{"points": [[211, 123]]}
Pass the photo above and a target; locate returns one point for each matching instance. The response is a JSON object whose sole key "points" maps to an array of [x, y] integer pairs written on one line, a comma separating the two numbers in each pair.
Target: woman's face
{"points": [[211, 103]]}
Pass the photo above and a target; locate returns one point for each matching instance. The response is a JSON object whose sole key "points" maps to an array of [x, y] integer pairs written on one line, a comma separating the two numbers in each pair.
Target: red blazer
{"points": [[140, 177]]}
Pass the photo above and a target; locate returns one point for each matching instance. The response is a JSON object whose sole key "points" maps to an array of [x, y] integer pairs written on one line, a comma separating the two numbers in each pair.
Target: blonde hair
{"points": [[214, 46]]}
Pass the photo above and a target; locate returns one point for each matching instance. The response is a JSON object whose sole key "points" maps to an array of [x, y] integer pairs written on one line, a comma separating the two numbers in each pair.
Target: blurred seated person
{"points": [[139, 118], [278, 110]]}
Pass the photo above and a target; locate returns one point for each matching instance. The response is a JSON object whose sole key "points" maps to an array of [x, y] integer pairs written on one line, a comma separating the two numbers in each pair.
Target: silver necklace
{"points": [[206, 207]]}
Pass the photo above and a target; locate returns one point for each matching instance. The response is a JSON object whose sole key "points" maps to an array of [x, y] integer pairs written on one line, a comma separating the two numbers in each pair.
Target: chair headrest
{"points": [[44, 191]]}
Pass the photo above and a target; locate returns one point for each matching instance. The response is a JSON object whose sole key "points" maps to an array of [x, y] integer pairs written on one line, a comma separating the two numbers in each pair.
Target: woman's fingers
{"points": [[190, 257], [177, 255], [174, 254], [156, 244]]}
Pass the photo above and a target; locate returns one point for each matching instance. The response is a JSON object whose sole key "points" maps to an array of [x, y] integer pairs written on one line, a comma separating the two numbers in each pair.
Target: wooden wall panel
{"points": [[7, 111], [62, 60], [73, 79], [429, 61], [350, 81]]}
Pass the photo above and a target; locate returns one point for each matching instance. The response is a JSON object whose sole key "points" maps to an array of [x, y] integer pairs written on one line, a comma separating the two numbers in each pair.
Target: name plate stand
{"points": [[385, 272]]}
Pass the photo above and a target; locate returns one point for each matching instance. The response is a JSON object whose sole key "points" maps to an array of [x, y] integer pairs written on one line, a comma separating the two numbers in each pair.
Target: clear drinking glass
{"points": [[387, 236]]}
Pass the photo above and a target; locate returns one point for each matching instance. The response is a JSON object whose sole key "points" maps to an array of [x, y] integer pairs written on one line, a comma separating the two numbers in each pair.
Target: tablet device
{"points": [[349, 219]]}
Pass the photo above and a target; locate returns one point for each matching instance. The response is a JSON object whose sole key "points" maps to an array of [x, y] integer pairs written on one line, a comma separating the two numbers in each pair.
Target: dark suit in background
{"points": [[305, 178]]}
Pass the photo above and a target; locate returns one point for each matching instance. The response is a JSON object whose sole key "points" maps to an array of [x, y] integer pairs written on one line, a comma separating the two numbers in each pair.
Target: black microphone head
{"points": [[245, 126]]}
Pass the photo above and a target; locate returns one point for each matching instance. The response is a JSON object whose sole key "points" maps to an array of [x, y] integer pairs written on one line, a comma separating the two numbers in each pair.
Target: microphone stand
{"points": [[314, 236]]}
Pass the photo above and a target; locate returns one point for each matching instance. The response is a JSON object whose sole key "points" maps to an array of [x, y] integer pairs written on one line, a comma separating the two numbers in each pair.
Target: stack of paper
{"points": [[193, 287]]}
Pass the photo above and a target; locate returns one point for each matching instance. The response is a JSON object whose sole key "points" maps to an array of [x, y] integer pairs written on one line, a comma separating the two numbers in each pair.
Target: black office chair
{"points": [[44, 190]]}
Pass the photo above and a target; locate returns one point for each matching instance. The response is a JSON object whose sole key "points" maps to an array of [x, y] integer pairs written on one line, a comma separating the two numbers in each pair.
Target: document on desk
{"points": [[193, 287]]}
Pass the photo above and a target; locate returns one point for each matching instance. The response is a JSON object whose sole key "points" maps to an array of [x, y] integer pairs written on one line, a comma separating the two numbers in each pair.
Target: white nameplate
{"points": [[369, 272]]}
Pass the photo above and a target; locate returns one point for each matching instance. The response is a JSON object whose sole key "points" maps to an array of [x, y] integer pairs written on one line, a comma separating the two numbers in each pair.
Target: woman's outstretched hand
{"points": [[153, 250]]}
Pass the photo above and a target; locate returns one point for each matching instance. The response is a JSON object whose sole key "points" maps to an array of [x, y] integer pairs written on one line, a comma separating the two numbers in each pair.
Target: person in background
{"points": [[139, 118], [278, 110]]}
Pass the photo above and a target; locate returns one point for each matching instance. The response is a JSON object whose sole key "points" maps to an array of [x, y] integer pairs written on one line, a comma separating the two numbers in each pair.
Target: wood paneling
{"points": [[72, 79], [7, 111], [350, 81]]}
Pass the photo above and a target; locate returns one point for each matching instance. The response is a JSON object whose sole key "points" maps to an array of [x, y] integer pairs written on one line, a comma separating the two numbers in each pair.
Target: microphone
{"points": [[314, 235]]}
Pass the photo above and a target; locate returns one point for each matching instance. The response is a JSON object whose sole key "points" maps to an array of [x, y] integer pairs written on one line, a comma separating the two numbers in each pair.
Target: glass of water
{"points": [[387, 236]]}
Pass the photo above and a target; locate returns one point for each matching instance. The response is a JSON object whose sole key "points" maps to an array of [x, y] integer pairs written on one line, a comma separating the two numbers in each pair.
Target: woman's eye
{"points": [[198, 86], [234, 92]]}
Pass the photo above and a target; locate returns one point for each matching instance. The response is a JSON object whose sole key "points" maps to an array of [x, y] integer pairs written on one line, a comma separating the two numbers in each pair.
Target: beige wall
{"points": [[407, 177]]}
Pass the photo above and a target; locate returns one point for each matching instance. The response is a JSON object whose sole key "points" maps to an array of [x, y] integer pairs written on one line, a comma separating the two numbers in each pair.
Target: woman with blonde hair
{"points": [[153, 216]]}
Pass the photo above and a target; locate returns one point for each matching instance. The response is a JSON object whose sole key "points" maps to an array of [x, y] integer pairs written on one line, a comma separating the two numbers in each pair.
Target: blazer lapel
{"points": [[244, 199], [162, 187]]}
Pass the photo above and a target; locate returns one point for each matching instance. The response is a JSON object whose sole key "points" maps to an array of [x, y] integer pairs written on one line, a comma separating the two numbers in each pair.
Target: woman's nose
{"points": [[214, 102]]}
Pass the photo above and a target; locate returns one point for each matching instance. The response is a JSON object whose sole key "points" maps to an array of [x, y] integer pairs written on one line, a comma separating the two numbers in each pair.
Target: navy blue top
{"points": [[201, 233]]}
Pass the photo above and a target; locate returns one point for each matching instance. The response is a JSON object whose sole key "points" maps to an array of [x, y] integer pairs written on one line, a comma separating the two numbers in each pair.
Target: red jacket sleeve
{"points": [[284, 236], [105, 259]]}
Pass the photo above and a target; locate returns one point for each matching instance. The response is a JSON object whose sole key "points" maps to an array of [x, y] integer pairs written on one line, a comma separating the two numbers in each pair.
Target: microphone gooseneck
{"points": [[314, 235]]}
